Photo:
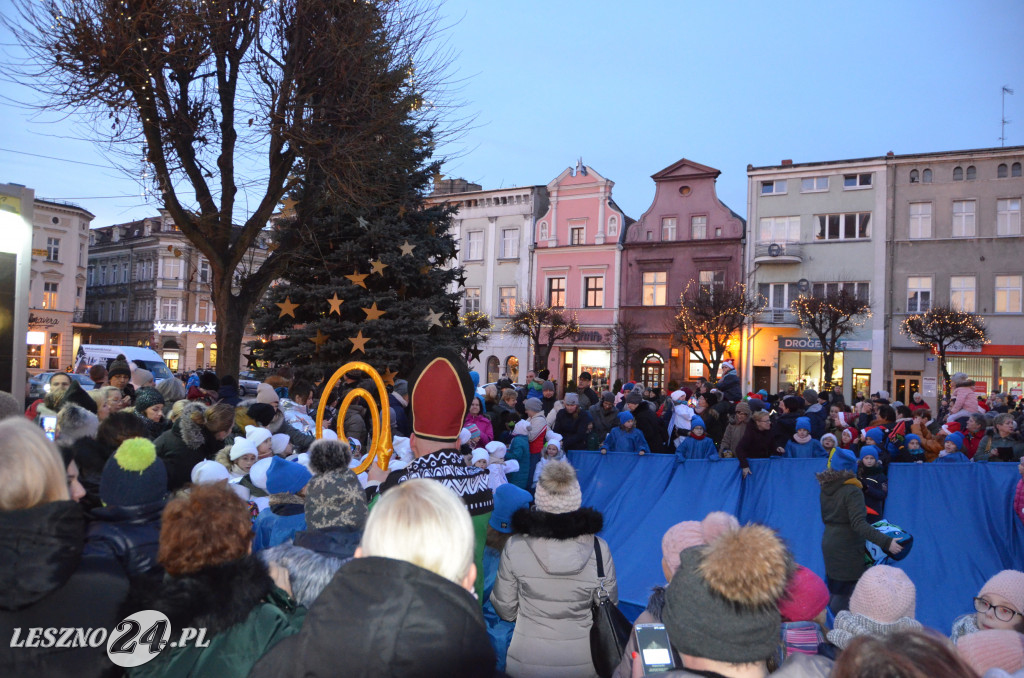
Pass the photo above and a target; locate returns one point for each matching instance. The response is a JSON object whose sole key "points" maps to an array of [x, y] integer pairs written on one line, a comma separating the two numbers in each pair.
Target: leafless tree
{"points": [[708, 317], [215, 97], [543, 326], [623, 340], [940, 327], [831, 317]]}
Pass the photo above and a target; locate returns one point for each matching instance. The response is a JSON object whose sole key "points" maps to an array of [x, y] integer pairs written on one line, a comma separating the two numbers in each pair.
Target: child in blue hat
{"points": [[697, 445], [952, 449], [802, 445], [625, 437]]}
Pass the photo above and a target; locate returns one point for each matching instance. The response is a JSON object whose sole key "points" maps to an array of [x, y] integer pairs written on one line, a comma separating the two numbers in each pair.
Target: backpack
{"points": [[874, 555]]}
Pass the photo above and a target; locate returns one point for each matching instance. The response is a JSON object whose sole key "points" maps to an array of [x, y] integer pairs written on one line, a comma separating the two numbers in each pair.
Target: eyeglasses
{"points": [[1001, 612]]}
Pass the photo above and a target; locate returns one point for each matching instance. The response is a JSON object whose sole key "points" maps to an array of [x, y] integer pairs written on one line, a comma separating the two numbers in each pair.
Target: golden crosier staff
{"points": [[381, 430]]}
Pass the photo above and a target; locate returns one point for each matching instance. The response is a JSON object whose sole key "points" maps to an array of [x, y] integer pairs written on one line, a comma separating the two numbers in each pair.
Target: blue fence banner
{"points": [[961, 516]]}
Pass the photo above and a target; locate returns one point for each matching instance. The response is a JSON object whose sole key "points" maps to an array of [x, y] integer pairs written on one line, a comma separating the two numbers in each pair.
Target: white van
{"points": [[101, 354]]}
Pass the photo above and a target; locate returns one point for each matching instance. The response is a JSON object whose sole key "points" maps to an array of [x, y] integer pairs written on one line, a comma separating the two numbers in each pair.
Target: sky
{"points": [[633, 87]]}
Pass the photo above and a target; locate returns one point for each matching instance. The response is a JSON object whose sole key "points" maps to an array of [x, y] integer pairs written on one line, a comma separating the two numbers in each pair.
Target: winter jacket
{"points": [[729, 385], [588, 397], [381, 617], [243, 612], [279, 523], [714, 423], [988, 447], [876, 488], [91, 456], [809, 450], [185, 445], [928, 442], [732, 436], [818, 416], [965, 398], [651, 615], [692, 448], [678, 419], [401, 421], [620, 439], [229, 394], [547, 403], [153, 428], [128, 534], [572, 429], [519, 450], [503, 418], [755, 444], [843, 512], [797, 666], [546, 582], [972, 441], [915, 406], [604, 420], [45, 581], [312, 558], [482, 423], [648, 424]]}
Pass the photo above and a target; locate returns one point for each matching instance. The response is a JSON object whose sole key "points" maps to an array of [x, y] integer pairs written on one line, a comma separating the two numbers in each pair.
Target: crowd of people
{"points": [[469, 552]]}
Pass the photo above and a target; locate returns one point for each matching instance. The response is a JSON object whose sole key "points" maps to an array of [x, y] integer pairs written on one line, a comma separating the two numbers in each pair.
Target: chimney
{"points": [[787, 162]]}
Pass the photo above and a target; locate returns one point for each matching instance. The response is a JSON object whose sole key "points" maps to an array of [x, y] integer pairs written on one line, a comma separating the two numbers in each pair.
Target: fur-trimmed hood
{"points": [[561, 543], [191, 433], [557, 525], [831, 480], [215, 598]]}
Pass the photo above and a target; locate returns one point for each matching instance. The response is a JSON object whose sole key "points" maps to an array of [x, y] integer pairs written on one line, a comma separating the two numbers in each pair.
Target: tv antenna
{"points": [[1002, 137]]}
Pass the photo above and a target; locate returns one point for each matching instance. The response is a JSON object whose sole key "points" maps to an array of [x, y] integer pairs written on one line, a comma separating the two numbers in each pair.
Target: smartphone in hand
{"points": [[50, 427], [654, 650]]}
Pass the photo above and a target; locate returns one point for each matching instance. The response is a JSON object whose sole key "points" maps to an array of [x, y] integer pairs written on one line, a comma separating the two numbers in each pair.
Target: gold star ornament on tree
{"points": [[373, 313], [335, 303], [359, 342], [389, 377], [407, 249], [358, 278], [377, 266], [320, 339], [287, 307]]}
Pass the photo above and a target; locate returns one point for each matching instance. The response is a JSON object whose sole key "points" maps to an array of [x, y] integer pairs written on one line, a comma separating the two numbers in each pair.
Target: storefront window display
{"points": [[861, 382], [977, 369], [1011, 376], [803, 369]]}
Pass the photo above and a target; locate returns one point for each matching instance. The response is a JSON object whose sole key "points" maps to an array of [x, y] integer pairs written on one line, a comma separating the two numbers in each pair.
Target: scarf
{"points": [[698, 437], [802, 439]]}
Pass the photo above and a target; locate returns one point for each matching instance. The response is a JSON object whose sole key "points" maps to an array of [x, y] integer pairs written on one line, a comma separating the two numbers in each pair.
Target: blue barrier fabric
{"points": [[961, 517]]}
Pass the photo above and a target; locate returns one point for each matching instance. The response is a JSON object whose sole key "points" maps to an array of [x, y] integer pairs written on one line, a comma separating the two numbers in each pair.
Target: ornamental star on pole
{"points": [[389, 377], [319, 339]]}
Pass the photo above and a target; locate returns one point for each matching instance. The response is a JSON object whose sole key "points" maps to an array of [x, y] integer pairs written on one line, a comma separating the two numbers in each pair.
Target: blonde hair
{"points": [[760, 415], [102, 394], [424, 523], [32, 470], [176, 409]]}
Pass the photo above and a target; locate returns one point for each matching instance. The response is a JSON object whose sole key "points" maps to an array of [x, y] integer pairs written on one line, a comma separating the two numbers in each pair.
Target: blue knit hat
{"points": [[696, 421], [876, 434], [957, 439], [286, 476], [133, 475], [508, 499], [803, 423], [843, 460], [913, 436], [625, 416]]}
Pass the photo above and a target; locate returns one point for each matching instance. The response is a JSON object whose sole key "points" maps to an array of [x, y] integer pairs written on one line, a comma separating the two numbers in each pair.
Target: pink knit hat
{"points": [[806, 596], [1008, 584], [885, 594], [994, 649], [682, 536]]}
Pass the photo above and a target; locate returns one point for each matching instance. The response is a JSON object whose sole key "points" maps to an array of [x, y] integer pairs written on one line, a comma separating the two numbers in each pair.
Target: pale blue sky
{"points": [[633, 87]]}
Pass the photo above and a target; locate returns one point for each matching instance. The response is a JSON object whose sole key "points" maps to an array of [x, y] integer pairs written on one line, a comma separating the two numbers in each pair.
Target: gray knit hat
{"points": [[571, 399], [146, 397], [533, 405], [722, 603], [335, 499], [9, 406], [119, 367], [547, 386], [634, 397]]}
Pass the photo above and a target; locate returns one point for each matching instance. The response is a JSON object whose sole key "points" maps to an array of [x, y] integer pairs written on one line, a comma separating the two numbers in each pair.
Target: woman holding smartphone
{"points": [[1002, 443]]}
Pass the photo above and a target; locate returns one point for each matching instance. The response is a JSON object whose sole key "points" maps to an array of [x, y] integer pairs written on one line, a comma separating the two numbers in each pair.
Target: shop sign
{"points": [[209, 328], [957, 347], [981, 387], [587, 336], [1015, 392], [45, 321], [812, 344]]}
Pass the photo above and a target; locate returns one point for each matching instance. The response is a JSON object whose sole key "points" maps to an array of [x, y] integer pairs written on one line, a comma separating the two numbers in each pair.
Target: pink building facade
{"points": [[686, 234], [576, 267]]}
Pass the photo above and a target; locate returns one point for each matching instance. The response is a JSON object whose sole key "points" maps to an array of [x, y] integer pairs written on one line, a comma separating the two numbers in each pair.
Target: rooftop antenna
{"points": [[1002, 138]]}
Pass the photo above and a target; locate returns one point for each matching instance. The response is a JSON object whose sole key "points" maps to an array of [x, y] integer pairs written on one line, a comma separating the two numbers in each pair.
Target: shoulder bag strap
{"points": [[600, 561]]}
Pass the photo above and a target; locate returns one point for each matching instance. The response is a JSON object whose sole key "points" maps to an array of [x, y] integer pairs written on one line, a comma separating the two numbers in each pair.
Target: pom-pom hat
{"points": [[440, 398], [286, 476], [689, 533], [146, 398], [257, 435], [993, 649], [133, 475], [805, 598], [558, 490]]}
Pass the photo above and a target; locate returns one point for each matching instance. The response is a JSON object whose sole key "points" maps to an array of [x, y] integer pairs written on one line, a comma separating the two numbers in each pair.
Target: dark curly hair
{"points": [[208, 526], [329, 455], [119, 427]]}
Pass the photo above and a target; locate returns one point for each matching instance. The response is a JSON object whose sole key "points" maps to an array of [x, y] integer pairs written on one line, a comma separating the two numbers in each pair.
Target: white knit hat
{"points": [[209, 471], [242, 447], [258, 473], [496, 449], [479, 454], [279, 443], [558, 490], [257, 434]]}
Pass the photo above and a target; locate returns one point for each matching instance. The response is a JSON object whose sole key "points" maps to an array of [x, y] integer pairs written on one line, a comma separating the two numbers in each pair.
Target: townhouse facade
{"points": [[956, 238], [813, 228], [687, 236], [495, 230]]}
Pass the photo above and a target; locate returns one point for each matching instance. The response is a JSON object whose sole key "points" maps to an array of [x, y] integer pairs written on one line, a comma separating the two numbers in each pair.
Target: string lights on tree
{"points": [[942, 327], [830, 317], [709, 317], [531, 321]]}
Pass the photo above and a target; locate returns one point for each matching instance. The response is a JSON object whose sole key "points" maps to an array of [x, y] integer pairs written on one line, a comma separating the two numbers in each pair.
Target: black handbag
{"points": [[610, 631]]}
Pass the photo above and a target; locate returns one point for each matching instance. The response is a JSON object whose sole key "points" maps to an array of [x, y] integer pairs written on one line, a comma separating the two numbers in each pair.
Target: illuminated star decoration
{"points": [[407, 249], [364, 223], [359, 342], [287, 307], [389, 377], [357, 278], [250, 360], [433, 319], [377, 266], [335, 303], [373, 313], [475, 353], [320, 339]]}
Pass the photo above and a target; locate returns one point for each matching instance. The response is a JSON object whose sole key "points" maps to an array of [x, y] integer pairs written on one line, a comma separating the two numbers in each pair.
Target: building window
{"points": [[171, 268], [512, 368], [474, 245], [958, 174], [204, 271], [122, 311], [858, 290], [169, 309], [78, 293], [506, 300], [718, 231], [50, 295], [53, 250], [856, 181], [1008, 293], [668, 228], [777, 187], [1002, 171], [962, 293], [698, 228], [926, 176], [542, 231], [510, 243], [777, 295], [55, 351], [103, 275], [963, 218], [124, 273], [1015, 169], [920, 220], [613, 226], [1008, 217], [914, 176], [203, 311], [556, 292], [711, 281], [577, 235], [91, 273], [472, 300], [493, 369], [654, 283], [650, 235], [843, 226], [919, 294], [594, 288], [813, 184], [971, 173], [779, 229], [110, 312]]}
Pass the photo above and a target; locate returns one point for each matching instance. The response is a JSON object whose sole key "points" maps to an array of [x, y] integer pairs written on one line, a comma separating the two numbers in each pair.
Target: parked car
{"points": [[247, 383], [39, 385], [102, 354]]}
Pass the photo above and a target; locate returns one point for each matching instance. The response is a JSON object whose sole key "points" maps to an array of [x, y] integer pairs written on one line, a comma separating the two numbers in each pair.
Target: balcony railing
{"points": [[777, 316], [778, 253]]}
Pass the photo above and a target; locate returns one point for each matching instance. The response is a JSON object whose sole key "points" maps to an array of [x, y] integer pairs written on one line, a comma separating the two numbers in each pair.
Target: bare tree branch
{"points": [[830, 318], [940, 327], [707, 318], [543, 326]]}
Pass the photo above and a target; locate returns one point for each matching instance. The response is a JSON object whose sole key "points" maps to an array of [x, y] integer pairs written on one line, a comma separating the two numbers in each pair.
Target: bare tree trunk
{"points": [[945, 370], [232, 314], [828, 357]]}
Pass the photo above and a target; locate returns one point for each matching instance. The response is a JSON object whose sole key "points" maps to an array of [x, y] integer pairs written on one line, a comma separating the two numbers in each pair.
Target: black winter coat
{"points": [[128, 534], [604, 420], [784, 428], [846, 529], [572, 429], [385, 617], [647, 422], [46, 582], [729, 385], [183, 446]]}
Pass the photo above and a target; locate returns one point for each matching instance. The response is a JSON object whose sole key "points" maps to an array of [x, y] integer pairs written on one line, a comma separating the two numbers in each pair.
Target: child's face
{"points": [[987, 620], [629, 424], [245, 462], [828, 443], [950, 446], [802, 432], [550, 451], [914, 445], [868, 460], [288, 449], [847, 437], [264, 449], [480, 463], [698, 430]]}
